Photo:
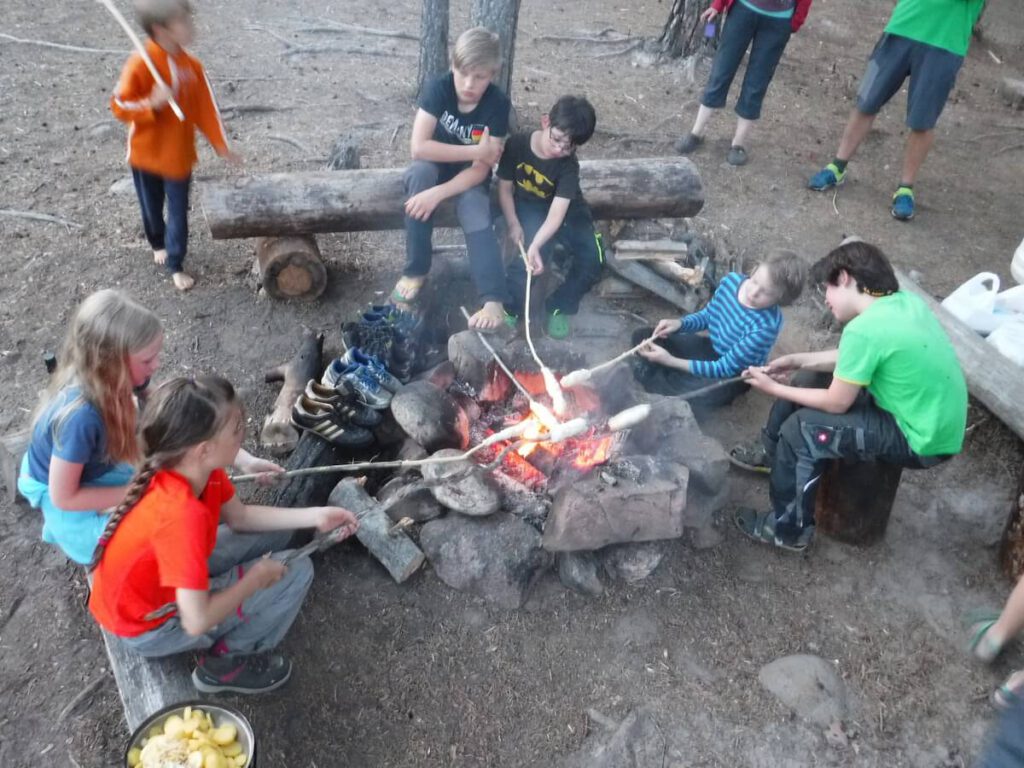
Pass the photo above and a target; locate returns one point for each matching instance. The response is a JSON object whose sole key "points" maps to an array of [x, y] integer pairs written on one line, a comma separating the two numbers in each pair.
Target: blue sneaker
{"points": [[828, 177], [368, 390], [377, 369], [903, 204]]}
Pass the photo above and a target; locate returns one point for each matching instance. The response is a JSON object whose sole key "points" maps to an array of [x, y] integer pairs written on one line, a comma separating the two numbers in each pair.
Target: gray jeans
{"points": [[259, 623]]}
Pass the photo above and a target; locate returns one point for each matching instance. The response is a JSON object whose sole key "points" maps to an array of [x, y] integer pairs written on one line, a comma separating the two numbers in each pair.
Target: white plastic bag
{"points": [[974, 302], [1008, 339]]}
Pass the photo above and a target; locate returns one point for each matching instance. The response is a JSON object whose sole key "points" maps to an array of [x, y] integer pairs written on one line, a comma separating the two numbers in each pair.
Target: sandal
{"points": [[751, 457], [558, 326], [760, 526], [979, 644], [407, 289], [1009, 694]]}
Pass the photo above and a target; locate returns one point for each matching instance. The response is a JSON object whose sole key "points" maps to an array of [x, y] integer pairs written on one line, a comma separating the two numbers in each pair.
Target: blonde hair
{"points": [[152, 13], [788, 273], [477, 48], [107, 328], [181, 414]]}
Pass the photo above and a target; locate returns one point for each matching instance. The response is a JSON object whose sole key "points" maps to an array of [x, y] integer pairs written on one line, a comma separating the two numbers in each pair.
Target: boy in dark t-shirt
{"points": [[539, 192], [457, 138]]}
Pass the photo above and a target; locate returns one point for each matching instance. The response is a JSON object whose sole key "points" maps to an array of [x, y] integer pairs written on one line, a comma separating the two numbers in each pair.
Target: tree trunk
{"points": [[291, 267], [682, 35], [371, 199], [499, 16], [854, 500], [433, 41]]}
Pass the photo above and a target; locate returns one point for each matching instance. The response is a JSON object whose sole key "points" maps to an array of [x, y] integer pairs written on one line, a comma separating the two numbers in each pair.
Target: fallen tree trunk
{"points": [[395, 552], [278, 434], [372, 199]]}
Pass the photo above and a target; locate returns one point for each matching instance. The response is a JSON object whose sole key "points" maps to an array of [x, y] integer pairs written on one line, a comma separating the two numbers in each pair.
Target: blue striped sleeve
{"points": [[752, 348], [696, 321]]}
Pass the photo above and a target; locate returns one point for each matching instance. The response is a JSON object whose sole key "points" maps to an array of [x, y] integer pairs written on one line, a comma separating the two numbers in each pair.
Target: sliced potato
{"points": [[231, 750], [225, 734], [174, 726], [134, 755]]}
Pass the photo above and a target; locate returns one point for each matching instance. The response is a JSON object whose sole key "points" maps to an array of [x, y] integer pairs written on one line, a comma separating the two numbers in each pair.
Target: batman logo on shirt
{"points": [[534, 182]]}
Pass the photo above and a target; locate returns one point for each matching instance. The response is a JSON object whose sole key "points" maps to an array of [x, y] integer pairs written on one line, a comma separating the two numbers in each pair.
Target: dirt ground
{"points": [[419, 675]]}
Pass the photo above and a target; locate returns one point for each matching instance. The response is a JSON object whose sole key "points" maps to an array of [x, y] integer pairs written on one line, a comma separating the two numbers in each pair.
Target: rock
{"points": [[475, 494], [475, 366], [344, 153], [638, 742], [410, 450], [631, 562], [441, 375], [123, 187], [579, 571], [645, 504], [497, 558], [808, 685], [1012, 91], [417, 503], [430, 417]]}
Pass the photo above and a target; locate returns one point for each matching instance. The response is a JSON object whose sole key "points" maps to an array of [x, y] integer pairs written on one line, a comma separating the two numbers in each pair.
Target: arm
{"points": [[246, 463], [421, 206], [200, 610], [422, 145], [824, 361], [133, 98], [208, 116], [748, 350], [799, 14], [67, 492], [252, 517], [696, 321], [836, 399], [556, 215], [508, 209]]}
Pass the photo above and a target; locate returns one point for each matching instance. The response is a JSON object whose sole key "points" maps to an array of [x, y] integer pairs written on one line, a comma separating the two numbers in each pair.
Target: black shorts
{"points": [[932, 73]]}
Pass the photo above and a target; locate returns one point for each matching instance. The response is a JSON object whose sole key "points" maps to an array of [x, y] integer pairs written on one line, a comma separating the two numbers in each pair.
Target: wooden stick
{"points": [[583, 374], [39, 217], [551, 384], [109, 5], [710, 388], [59, 46], [498, 360]]}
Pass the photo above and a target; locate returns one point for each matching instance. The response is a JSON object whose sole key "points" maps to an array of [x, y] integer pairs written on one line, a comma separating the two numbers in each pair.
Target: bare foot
{"points": [[407, 289], [183, 280], [490, 317], [160, 257]]}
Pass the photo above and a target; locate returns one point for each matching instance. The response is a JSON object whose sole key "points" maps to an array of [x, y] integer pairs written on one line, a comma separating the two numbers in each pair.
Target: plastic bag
{"points": [[1008, 339], [974, 303]]}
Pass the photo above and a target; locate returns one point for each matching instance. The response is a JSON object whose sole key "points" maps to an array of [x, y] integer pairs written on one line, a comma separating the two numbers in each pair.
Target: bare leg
{"points": [[857, 128], [1011, 620], [491, 316], [918, 144], [743, 128], [700, 125]]}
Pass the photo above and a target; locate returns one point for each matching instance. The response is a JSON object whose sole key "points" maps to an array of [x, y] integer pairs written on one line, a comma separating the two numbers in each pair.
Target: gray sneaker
{"points": [[688, 143], [736, 156], [256, 673]]}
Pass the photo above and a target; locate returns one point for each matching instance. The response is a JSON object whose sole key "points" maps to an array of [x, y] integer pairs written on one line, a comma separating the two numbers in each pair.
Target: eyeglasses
{"points": [[562, 142]]}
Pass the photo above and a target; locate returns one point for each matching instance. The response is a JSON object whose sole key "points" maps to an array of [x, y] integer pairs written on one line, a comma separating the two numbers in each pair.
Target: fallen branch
{"points": [[340, 25], [61, 46], [1008, 149], [288, 140], [599, 39], [81, 697], [394, 135], [241, 109], [39, 217], [312, 50], [623, 52], [343, 31]]}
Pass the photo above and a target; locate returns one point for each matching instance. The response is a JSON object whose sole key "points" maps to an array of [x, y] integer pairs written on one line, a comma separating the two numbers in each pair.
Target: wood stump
{"points": [[854, 500], [278, 435], [1011, 548], [291, 267]]}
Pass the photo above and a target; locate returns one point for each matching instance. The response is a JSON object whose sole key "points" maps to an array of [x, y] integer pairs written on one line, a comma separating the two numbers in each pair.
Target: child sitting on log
{"points": [[457, 138], [539, 192], [170, 578], [742, 322], [893, 391], [161, 147]]}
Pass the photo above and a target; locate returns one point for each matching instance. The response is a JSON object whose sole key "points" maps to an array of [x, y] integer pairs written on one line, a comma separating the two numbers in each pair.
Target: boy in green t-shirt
{"points": [[925, 40], [896, 394]]}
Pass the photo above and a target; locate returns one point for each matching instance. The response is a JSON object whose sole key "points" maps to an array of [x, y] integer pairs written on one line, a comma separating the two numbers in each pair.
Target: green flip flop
{"points": [[760, 526], [558, 325], [979, 644]]}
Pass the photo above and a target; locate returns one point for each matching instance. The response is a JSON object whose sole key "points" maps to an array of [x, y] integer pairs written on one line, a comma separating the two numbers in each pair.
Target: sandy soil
{"points": [[419, 675]]}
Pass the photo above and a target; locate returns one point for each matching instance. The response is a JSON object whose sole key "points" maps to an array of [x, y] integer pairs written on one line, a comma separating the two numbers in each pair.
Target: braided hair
{"points": [[181, 413]]}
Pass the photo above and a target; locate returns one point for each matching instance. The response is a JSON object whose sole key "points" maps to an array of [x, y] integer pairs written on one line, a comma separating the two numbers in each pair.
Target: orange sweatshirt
{"points": [[158, 142]]}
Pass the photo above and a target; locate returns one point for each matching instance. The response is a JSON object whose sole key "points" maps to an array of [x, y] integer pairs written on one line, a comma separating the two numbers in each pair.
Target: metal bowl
{"points": [[221, 714]]}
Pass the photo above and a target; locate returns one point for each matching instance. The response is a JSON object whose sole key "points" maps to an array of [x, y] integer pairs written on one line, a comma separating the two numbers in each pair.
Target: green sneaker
{"points": [[512, 321], [558, 325], [828, 177]]}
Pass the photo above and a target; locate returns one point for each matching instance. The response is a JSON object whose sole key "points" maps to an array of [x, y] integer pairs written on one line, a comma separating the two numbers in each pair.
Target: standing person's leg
{"points": [[769, 42], [587, 260], [887, 68], [531, 217], [150, 190], [420, 176], [736, 36], [473, 209], [177, 231]]}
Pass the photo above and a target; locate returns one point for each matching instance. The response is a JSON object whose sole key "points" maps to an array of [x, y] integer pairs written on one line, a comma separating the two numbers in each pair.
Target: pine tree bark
{"points": [[681, 35], [433, 41], [502, 17]]}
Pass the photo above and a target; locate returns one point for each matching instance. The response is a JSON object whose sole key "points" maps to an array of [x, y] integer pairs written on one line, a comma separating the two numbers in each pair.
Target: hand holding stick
{"points": [[577, 377], [109, 5], [551, 384]]}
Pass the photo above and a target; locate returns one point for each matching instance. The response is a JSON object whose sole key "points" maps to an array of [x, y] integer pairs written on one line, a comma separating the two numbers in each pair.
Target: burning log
{"points": [[278, 434]]}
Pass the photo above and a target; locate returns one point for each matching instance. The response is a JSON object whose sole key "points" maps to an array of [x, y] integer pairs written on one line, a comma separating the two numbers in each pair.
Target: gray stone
{"points": [[410, 450], [441, 375], [497, 558], [406, 496], [475, 366], [631, 562], [808, 685], [638, 742], [123, 186], [579, 571], [474, 494], [1012, 91], [645, 504], [430, 416]]}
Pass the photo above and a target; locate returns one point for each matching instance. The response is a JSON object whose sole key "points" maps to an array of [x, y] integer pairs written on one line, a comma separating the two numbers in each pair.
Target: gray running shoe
{"points": [[257, 673]]}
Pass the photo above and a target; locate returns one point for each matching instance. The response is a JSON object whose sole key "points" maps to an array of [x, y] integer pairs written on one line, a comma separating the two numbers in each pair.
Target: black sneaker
{"points": [[688, 143], [257, 673]]}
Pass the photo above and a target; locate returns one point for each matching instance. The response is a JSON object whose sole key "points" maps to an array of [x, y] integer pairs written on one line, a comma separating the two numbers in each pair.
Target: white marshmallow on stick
{"points": [[581, 375], [554, 391]]}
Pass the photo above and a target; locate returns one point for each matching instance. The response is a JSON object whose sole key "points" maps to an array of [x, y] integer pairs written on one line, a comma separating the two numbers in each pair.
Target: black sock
{"points": [[908, 186], [840, 164]]}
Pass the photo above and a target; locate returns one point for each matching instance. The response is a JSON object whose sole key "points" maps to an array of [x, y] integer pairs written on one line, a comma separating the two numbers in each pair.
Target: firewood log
{"points": [[278, 435]]}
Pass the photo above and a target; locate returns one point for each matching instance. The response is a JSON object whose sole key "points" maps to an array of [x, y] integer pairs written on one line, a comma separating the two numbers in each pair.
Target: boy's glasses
{"points": [[561, 141]]}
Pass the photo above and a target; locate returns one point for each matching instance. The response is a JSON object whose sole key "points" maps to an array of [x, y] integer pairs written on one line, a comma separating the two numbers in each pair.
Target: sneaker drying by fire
{"points": [[377, 369], [256, 673], [343, 401], [368, 390], [333, 424]]}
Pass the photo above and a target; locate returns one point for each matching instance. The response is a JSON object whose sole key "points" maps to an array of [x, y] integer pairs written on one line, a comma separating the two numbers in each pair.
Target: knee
{"points": [[473, 210], [299, 576], [791, 433], [420, 175]]}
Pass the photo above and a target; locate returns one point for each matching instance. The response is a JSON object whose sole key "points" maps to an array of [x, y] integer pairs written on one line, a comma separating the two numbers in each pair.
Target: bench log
{"points": [[372, 199], [147, 685]]}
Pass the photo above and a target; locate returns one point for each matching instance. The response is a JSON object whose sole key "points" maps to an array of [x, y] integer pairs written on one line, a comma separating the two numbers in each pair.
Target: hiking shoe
{"points": [[368, 390], [343, 401], [688, 143], [751, 457], [903, 204], [558, 325], [737, 156], [256, 673], [828, 177], [760, 526], [333, 424], [374, 365]]}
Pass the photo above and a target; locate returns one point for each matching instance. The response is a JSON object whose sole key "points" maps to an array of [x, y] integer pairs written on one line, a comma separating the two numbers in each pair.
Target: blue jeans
{"points": [[767, 38], [152, 191], [578, 237]]}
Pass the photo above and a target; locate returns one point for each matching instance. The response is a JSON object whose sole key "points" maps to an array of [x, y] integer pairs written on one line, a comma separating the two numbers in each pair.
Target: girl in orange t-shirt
{"points": [[170, 577]]}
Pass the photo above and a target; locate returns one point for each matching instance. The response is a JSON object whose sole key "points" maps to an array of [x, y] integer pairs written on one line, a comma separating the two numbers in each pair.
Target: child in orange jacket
{"points": [[161, 148]]}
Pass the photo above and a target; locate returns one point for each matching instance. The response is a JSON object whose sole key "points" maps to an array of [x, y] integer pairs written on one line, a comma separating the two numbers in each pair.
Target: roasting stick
{"points": [[550, 382], [577, 377], [109, 5]]}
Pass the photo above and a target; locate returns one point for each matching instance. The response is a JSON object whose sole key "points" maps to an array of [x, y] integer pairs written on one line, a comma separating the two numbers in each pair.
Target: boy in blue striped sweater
{"points": [[742, 322]]}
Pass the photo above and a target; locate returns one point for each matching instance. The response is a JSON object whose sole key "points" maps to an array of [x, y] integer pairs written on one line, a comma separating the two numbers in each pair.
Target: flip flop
{"points": [[979, 644], [410, 296], [760, 526], [1007, 696], [498, 326]]}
